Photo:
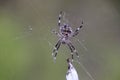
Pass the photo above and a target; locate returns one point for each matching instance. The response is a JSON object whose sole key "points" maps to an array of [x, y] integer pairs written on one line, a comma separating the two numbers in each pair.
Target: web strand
{"points": [[85, 48], [82, 66]]}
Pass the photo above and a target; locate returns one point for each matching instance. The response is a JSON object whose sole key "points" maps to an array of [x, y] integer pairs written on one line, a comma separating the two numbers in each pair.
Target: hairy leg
{"points": [[73, 50], [59, 19], [77, 30], [55, 50]]}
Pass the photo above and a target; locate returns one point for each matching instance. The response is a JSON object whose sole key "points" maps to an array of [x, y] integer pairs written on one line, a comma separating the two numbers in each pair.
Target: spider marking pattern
{"points": [[64, 34]]}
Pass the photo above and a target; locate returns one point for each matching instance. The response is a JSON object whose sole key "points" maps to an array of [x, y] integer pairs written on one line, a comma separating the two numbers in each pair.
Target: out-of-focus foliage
{"points": [[12, 51]]}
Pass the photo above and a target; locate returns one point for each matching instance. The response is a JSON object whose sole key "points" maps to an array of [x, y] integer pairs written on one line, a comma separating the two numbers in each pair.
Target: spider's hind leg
{"points": [[73, 50], [55, 50]]}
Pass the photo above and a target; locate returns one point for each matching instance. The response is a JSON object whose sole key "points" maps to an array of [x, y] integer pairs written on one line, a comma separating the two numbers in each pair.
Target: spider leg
{"points": [[69, 45], [76, 32], [59, 19], [73, 50], [55, 50]]}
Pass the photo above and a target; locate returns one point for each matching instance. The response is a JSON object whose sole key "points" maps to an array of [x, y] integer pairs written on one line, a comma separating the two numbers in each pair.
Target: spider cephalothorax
{"points": [[64, 34], [66, 30]]}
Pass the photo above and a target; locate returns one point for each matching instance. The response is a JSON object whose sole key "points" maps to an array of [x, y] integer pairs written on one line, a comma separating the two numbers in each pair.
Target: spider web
{"points": [[29, 29], [77, 61], [26, 32], [81, 44]]}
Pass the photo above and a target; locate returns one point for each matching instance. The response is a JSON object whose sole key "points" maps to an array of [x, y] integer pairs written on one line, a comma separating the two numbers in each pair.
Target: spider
{"points": [[64, 34]]}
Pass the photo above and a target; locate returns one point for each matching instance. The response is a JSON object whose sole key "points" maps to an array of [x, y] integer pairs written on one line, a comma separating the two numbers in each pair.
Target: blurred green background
{"points": [[26, 54]]}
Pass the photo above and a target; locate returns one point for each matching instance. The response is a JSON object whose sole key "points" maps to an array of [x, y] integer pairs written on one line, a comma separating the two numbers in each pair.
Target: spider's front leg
{"points": [[77, 30], [59, 19], [73, 50], [55, 50]]}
